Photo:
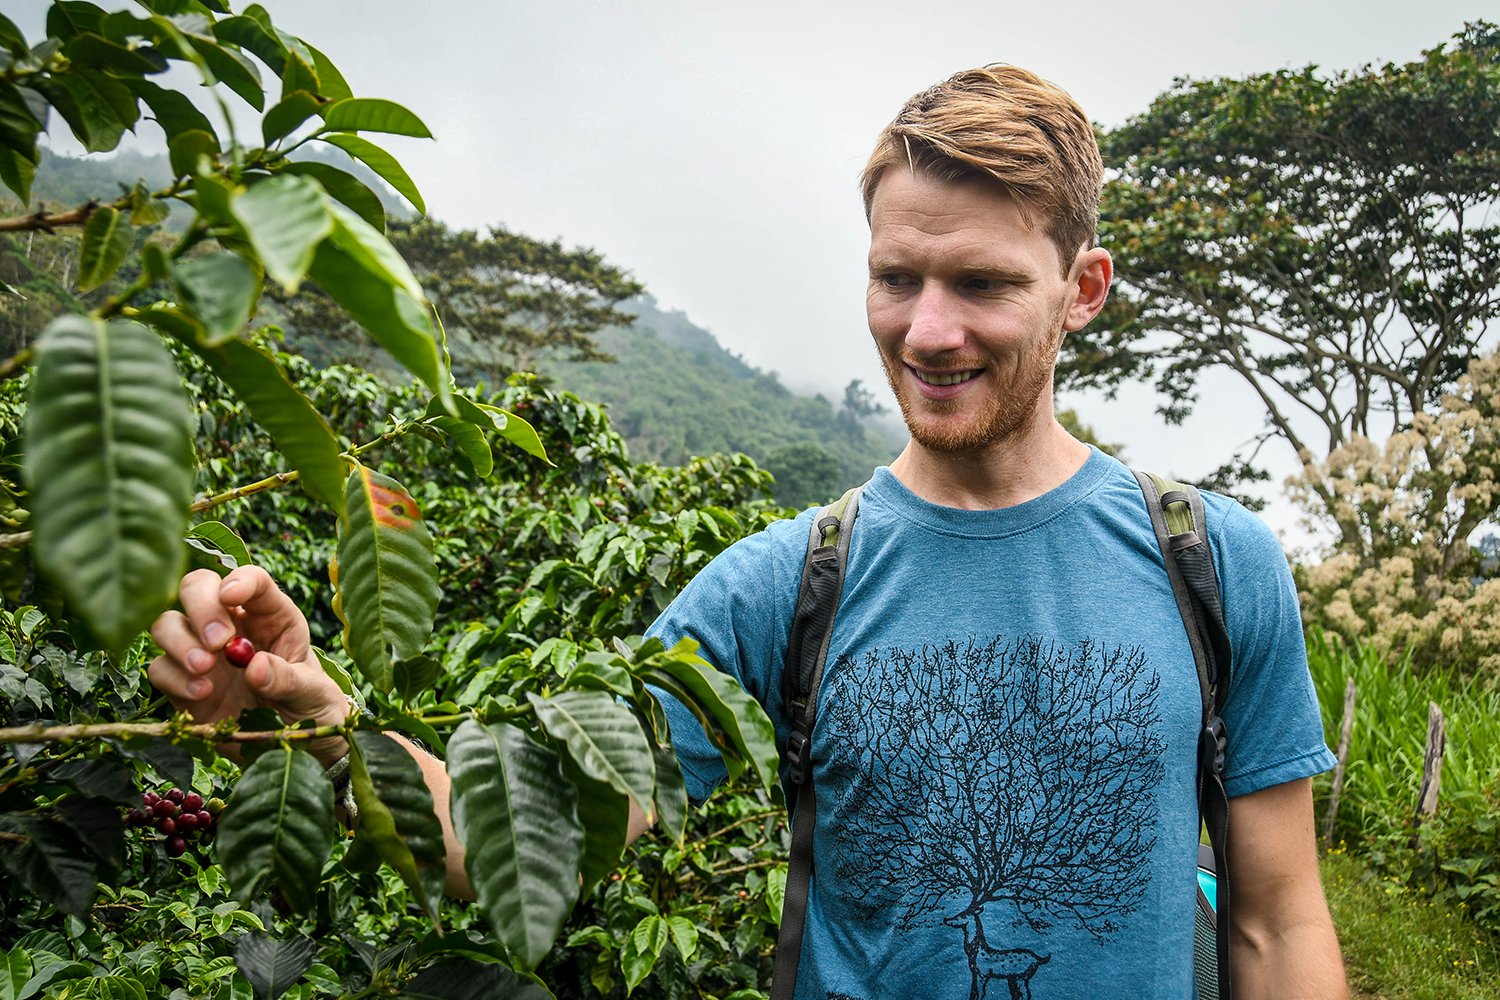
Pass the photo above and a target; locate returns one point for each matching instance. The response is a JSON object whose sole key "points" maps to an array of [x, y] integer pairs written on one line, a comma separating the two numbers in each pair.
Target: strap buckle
{"points": [[796, 757], [1211, 745]]}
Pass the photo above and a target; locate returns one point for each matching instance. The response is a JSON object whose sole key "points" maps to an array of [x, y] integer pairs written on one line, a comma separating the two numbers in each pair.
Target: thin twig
{"points": [[44, 221]]}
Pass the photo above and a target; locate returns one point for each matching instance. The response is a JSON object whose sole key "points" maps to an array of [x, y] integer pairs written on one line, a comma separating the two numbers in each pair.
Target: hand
{"points": [[284, 675]]}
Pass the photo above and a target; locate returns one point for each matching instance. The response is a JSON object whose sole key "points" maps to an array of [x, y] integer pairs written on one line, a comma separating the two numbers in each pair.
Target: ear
{"points": [[1089, 281]]}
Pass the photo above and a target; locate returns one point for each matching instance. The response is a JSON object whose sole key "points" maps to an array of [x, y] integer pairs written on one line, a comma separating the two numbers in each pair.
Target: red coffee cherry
{"points": [[239, 652]]}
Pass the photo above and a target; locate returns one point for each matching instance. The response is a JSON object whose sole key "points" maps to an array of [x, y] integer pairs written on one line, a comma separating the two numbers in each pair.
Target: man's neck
{"points": [[1003, 474]]}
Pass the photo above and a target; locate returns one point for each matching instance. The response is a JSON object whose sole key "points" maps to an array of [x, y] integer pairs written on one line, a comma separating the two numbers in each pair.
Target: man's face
{"points": [[967, 306]]}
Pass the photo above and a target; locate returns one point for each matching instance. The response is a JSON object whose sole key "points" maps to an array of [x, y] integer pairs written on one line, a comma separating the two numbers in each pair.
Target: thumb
{"points": [[297, 690]]}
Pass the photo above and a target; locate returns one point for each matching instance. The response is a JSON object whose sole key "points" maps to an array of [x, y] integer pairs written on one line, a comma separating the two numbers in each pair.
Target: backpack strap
{"points": [[1176, 511], [802, 671]]}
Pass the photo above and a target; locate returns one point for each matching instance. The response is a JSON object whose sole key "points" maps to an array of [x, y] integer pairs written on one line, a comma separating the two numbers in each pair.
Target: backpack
{"points": [[1176, 511]]}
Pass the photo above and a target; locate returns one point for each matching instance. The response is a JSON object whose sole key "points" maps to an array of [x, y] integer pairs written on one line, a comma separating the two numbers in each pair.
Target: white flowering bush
{"points": [[1406, 573]]}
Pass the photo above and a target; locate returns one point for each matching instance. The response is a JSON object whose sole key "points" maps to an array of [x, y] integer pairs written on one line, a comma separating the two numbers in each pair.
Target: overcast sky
{"points": [[712, 149]]}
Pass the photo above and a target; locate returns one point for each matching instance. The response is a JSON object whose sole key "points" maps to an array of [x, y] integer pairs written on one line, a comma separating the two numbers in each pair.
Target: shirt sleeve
{"points": [[739, 610], [1271, 717]]}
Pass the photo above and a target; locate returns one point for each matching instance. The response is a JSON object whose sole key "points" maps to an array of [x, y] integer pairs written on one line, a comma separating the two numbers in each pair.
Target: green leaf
{"points": [[415, 675], [279, 824], [297, 72], [469, 440], [15, 970], [233, 70], [19, 124], [371, 114], [515, 813], [733, 710], [273, 964], [185, 149], [397, 322], [300, 432], [671, 794], [460, 978], [174, 112], [642, 949], [18, 168], [291, 111], [604, 814], [48, 862], [87, 102], [396, 815], [221, 291], [97, 52], [344, 187], [517, 431], [285, 218], [776, 892], [222, 537], [109, 461], [106, 242], [603, 738], [368, 245], [250, 35], [334, 86], [386, 578], [378, 160]]}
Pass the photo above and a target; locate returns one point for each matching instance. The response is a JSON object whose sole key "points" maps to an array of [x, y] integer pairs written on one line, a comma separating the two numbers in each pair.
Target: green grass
{"points": [[1400, 945]]}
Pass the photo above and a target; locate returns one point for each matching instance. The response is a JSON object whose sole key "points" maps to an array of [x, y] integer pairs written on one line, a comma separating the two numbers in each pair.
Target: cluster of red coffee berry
{"points": [[179, 815]]}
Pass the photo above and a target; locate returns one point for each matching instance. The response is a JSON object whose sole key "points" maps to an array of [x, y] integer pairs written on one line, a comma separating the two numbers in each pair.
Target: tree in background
{"points": [[507, 300], [1329, 239], [1413, 581]]}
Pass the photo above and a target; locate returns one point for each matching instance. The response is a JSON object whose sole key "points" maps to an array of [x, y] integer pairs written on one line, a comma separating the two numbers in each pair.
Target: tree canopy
{"points": [[1329, 238]]}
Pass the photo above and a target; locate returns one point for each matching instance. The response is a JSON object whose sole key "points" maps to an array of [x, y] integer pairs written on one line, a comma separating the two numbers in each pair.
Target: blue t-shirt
{"points": [[1006, 735]]}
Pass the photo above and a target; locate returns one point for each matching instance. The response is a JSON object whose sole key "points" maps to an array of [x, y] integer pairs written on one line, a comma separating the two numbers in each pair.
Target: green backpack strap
{"points": [[807, 648], [1176, 511]]}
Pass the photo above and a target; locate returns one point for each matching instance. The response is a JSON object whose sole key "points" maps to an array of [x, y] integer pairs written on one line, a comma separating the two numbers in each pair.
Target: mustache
{"points": [[942, 360]]}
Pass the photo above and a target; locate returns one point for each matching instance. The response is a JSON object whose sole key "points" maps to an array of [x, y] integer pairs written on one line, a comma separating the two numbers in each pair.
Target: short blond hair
{"points": [[1010, 125]]}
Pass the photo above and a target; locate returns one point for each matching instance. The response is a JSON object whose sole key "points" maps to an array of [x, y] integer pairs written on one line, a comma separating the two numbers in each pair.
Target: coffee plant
{"points": [[490, 546]]}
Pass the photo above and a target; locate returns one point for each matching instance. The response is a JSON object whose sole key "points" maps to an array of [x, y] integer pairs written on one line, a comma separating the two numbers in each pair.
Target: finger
{"points": [[170, 678], [205, 611], [274, 614], [179, 640]]}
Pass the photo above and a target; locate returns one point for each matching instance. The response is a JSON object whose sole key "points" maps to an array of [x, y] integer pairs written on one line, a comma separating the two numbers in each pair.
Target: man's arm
{"points": [[1281, 938], [436, 776]]}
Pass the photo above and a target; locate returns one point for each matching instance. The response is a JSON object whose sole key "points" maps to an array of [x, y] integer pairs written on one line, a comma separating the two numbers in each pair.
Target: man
{"points": [[1005, 751]]}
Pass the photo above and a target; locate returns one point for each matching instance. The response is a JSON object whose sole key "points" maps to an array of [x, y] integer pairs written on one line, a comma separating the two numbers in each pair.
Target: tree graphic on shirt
{"points": [[1018, 772]]}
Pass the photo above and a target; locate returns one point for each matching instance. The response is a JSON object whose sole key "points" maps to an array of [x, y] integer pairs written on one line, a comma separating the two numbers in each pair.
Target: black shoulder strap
{"points": [[807, 648], [1176, 511]]}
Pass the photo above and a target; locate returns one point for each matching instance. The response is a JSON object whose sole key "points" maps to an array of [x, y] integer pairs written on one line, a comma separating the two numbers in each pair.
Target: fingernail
{"points": [[200, 659], [215, 634]]}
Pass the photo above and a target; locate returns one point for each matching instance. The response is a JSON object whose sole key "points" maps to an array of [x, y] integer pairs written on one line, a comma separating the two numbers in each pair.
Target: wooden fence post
{"points": [[1346, 728], [1432, 768]]}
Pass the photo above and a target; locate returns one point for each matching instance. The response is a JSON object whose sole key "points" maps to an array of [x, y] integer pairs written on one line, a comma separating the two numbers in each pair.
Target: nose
{"points": [[936, 324]]}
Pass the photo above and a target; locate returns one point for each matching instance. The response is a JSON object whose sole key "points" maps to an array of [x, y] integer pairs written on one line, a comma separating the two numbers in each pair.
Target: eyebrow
{"points": [[881, 265]]}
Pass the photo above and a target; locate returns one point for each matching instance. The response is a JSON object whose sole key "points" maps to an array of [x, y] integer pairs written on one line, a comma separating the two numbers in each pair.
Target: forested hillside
{"points": [[674, 392]]}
